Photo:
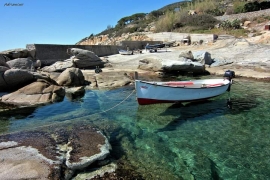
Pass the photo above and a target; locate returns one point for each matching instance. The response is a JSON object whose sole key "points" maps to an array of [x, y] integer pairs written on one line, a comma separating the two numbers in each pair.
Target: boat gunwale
{"points": [[184, 86]]}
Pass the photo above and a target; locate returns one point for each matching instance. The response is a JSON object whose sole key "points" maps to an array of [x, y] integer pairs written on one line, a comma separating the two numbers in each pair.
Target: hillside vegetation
{"points": [[180, 17]]}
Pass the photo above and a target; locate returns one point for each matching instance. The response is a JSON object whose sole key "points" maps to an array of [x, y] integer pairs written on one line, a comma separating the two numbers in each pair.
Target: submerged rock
{"points": [[29, 155], [42, 154], [109, 168], [79, 157]]}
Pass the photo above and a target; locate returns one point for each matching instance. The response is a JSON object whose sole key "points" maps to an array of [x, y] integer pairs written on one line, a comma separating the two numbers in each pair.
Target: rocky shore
{"points": [[62, 152]]}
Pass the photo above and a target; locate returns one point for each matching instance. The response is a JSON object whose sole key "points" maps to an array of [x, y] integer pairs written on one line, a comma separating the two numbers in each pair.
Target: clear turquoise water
{"points": [[204, 140]]}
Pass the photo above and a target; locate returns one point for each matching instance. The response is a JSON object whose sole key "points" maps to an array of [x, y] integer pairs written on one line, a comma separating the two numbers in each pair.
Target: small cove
{"points": [[167, 141]]}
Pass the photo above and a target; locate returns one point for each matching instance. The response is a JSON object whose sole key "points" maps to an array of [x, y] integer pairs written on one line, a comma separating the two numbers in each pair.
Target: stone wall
{"points": [[248, 16], [50, 53]]}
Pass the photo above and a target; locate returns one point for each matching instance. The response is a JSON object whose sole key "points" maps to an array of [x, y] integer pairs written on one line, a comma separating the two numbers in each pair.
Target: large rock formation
{"points": [[40, 92], [52, 154], [97, 150], [203, 57], [187, 54], [22, 63], [16, 53], [3, 60], [15, 78], [111, 80], [2, 70], [80, 58], [59, 66], [27, 157], [84, 58], [71, 77], [150, 64], [165, 65], [184, 65]]}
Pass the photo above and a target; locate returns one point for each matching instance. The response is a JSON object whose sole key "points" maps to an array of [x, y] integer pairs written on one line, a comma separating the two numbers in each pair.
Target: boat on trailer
{"points": [[151, 92]]}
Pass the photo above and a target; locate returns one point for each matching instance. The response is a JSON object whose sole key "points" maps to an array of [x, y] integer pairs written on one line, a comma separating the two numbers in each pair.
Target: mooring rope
{"points": [[57, 123]]}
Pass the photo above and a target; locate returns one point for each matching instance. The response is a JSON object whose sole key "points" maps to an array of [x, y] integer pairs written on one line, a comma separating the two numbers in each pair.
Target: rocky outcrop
{"points": [[40, 92], [71, 77], [187, 54], [100, 172], [165, 65], [220, 62], [106, 40], [183, 65], [15, 78], [97, 150], [75, 92], [22, 63], [27, 157], [241, 16], [150, 64], [59, 66], [3, 60], [87, 63], [80, 58], [112, 80], [16, 53], [3, 69], [82, 54], [203, 57], [51, 154], [84, 58]]}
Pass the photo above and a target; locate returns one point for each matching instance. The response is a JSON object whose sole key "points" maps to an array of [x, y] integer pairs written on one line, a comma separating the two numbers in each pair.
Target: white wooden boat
{"points": [[180, 91], [125, 52]]}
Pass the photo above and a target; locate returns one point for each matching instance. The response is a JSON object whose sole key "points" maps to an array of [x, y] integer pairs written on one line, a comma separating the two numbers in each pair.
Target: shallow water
{"points": [[205, 140]]}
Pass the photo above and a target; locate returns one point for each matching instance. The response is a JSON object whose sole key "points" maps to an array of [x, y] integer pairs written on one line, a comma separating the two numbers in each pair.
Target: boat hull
{"points": [[155, 46], [179, 91], [124, 52]]}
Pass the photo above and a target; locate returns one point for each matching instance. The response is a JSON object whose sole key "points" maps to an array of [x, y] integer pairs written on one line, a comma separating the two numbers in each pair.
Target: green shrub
{"points": [[166, 23], [229, 25], [252, 6], [215, 12], [238, 7], [204, 21]]}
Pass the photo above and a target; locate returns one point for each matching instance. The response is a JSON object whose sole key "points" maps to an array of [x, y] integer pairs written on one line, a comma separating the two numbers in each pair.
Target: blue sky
{"points": [[64, 21]]}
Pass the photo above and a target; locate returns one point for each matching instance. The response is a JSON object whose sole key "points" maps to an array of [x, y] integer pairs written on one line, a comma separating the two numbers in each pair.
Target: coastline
{"points": [[249, 60]]}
